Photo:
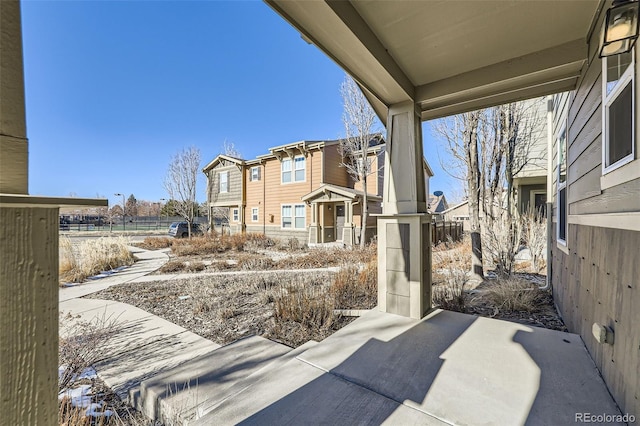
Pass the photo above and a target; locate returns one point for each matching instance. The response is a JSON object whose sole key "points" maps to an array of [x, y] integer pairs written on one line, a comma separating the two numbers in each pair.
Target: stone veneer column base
{"points": [[404, 259]]}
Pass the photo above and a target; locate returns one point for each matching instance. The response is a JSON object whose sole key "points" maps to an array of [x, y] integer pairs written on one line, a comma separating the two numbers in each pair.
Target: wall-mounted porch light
{"points": [[620, 30]]}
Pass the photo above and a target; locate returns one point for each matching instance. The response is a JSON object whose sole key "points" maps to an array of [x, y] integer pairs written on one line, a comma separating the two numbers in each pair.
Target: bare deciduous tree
{"points": [[180, 183], [359, 120], [229, 148], [488, 149], [460, 136]]}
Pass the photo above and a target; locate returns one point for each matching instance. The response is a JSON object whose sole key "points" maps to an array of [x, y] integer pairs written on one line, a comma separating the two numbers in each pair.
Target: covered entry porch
{"points": [[336, 214]]}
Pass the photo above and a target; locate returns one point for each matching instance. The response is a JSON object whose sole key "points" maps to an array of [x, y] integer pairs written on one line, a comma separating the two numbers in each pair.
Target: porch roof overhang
{"points": [[340, 191], [450, 57]]}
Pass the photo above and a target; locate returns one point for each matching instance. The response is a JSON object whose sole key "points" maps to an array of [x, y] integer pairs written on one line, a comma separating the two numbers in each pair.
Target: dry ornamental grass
{"points": [[90, 257]]}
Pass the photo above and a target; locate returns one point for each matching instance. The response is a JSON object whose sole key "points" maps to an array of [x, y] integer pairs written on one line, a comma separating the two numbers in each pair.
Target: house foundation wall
{"points": [[277, 232], [597, 282]]}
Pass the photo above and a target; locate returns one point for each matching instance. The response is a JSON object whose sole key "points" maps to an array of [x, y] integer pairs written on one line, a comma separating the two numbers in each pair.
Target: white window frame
{"points": [[296, 169], [226, 181], [282, 216], [562, 185], [293, 169], [628, 77], [235, 214], [255, 214], [288, 161], [255, 173], [293, 217]]}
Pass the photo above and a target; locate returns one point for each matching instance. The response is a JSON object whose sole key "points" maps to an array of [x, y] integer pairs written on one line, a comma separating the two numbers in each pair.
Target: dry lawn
{"points": [[90, 257]]}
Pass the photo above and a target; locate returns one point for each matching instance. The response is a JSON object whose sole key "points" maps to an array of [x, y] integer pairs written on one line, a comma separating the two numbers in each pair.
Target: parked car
{"points": [[181, 230]]}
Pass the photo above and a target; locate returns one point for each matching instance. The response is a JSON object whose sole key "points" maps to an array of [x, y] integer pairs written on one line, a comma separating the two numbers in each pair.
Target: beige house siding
{"points": [[535, 165], [332, 172], [376, 178], [274, 193], [595, 277], [255, 198]]}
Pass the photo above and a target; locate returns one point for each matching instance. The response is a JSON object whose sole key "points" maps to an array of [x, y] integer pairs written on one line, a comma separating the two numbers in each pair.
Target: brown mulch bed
{"points": [[545, 314]]}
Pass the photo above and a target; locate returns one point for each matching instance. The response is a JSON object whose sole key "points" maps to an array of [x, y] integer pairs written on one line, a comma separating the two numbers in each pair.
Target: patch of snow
{"points": [[104, 274], [87, 373], [79, 397], [96, 410]]}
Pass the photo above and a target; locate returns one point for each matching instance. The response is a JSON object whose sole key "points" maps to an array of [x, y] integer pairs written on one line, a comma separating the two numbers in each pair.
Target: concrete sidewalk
{"points": [[148, 262]]}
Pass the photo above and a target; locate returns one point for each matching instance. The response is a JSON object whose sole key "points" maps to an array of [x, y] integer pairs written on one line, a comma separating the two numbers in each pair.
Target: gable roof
{"points": [[437, 203], [343, 191], [220, 158]]}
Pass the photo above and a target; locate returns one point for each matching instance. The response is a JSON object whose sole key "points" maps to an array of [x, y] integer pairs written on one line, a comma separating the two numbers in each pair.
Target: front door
{"points": [[339, 221]]}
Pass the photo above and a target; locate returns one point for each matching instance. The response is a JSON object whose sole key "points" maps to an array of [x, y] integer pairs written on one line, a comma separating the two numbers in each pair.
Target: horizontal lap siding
{"points": [[255, 197], [234, 195], [333, 173], [373, 180], [597, 282], [278, 193]]}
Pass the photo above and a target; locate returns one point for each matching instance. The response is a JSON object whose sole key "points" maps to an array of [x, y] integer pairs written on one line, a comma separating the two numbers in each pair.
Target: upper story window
{"points": [[618, 112], [293, 171], [224, 182], [255, 173], [300, 165]]}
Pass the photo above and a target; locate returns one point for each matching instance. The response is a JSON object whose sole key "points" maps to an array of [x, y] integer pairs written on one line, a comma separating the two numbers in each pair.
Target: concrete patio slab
{"points": [[176, 394], [261, 374], [464, 369], [300, 393]]}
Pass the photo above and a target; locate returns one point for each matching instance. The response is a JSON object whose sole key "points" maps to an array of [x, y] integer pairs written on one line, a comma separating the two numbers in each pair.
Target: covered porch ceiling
{"points": [[450, 56]]}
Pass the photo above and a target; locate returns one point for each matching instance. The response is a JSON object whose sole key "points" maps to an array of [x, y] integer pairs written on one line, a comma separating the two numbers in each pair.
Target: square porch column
{"points": [[28, 255], [313, 227], [404, 242], [348, 231]]}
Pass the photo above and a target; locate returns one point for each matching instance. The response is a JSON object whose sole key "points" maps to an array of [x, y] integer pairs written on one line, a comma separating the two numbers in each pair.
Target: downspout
{"points": [[547, 285]]}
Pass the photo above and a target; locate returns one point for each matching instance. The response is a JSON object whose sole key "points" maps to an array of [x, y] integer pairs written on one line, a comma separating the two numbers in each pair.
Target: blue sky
{"points": [[115, 89]]}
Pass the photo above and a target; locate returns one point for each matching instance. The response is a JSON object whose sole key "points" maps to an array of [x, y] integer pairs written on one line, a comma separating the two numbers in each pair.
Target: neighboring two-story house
{"points": [[298, 190], [530, 177]]}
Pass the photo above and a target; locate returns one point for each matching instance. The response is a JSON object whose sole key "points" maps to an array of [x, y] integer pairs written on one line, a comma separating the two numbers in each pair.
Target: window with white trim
{"points": [[255, 173], [562, 186], [224, 182], [293, 170], [254, 214], [293, 216], [618, 110], [236, 215], [299, 167]]}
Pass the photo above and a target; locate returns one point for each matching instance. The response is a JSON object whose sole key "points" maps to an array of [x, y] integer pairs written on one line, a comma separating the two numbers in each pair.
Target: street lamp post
{"points": [[124, 225]]}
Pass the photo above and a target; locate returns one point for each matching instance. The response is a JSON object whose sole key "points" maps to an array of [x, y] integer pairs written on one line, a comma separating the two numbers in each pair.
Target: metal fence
{"points": [[141, 223]]}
